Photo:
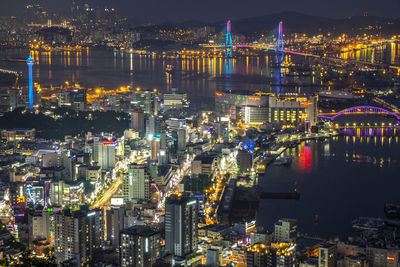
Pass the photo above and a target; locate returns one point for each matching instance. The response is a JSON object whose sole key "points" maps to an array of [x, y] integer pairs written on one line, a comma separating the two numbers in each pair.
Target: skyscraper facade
{"points": [[181, 218], [136, 183], [139, 246]]}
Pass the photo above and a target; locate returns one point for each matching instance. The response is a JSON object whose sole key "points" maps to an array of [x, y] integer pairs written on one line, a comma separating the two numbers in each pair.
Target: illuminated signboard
{"points": [[108, 143], [253, 98], [218, 94], [21, 199], [117, 201], [307, 103]]}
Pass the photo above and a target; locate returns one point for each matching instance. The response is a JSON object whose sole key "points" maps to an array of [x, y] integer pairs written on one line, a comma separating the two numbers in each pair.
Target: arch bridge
{"points": [[359, 110]]}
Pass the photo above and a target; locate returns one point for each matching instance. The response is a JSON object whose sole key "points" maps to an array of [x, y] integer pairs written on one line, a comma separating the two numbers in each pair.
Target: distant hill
{"points": [[301, 23], [295, 22]]}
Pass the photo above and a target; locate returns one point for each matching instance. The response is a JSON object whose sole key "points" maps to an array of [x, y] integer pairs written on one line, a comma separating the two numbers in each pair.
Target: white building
{"points": [[285, 230], [136, 183]]}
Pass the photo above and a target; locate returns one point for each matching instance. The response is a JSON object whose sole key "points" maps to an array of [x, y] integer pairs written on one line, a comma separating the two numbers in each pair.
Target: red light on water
{"points": [[305, 158]]}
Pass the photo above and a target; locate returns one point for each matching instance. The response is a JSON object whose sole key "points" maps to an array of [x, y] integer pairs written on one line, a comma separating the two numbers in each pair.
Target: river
{"points": [[338, 179]]}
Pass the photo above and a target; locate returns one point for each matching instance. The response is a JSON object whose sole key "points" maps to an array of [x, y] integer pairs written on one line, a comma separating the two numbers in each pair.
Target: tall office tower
{"points": [[181, 139], [30, 63], [327, 255], [152, 126], [57, 192], [137, 121], [136, 183], [139, 246], [95, 149], [106, 150], [155, 147], [285, 230], [143, 99], [115, 223], [181, 218], [78, 235], [39, 222]]}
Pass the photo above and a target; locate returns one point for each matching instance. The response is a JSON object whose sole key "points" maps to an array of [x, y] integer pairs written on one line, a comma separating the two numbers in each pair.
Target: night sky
{"points": [[216, 10]]}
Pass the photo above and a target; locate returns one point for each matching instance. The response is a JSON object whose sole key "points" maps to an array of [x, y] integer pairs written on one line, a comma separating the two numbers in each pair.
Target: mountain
{"points": [[302, 23]]}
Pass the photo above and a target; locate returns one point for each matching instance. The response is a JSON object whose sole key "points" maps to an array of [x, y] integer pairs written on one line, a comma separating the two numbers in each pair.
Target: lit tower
{"points": [[30, 63], [228, 40], [280, 55]]}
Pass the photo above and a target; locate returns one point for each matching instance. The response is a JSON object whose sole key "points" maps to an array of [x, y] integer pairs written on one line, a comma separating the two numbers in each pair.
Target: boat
{"points": [[392, 211], [287, 160]]}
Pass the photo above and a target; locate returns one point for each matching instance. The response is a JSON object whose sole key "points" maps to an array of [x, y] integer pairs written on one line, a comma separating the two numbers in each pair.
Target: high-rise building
{"points": [[136, 183], [40, 225], [155, 147], [327, 255], [106, 152], [115, 223], [78, 235], [139, 246], [181, 139], [137, 121], [181, 218], [174, 101], [57, 192], [285, 230]]}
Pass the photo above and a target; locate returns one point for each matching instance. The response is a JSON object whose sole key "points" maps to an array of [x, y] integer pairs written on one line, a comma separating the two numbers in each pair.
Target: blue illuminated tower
{"points": [[280, 54], [30, 63], [228, 40]]}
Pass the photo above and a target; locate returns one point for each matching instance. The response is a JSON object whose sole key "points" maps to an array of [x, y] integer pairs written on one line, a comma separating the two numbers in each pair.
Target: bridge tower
{"points": [[30, 61], [228, 40], [280, 54]]}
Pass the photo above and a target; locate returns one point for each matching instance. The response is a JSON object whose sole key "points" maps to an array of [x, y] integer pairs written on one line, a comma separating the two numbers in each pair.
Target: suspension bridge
{"points": [[278, 48]]}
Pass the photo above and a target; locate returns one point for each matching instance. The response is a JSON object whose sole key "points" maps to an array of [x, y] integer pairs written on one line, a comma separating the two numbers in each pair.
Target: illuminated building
{"points": [[288, 109], [181, 139], [327, 255], [106, 150], [93, 174], [274, 255], [148, 101], [40, 225], [12, 135], [30, 63], [285, 230], [155, 147], [76, 99], [56, 192], [255, 109], [181, 218], [137, 121], [136, 184], [387, 257], [174, 101], [139, 246], [72, 194], [115, 223], [78, 235]]}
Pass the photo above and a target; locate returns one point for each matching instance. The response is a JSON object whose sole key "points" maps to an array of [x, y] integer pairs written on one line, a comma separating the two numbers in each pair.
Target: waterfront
{"points": [[339, 179], [198, 76]]}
